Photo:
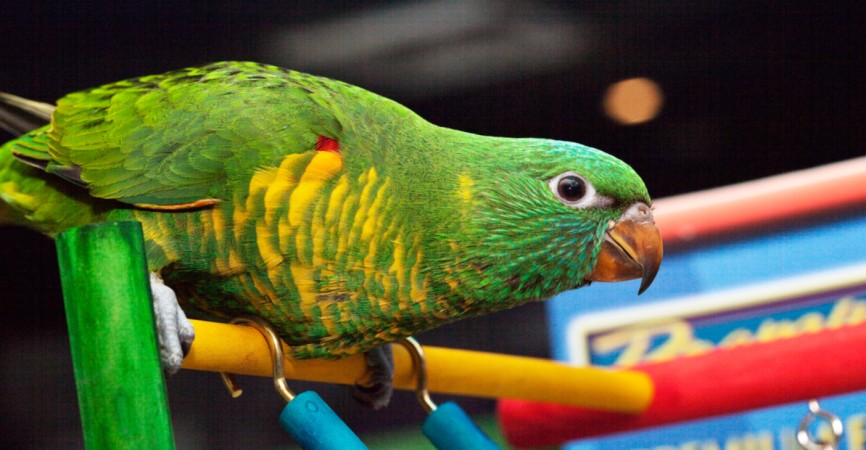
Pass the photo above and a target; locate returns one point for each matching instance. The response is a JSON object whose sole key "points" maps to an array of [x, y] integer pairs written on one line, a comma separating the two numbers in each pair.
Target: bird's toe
{"points": [[377, 389]]}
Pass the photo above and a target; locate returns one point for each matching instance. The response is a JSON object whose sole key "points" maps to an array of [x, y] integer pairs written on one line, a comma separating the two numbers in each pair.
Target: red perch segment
{"points": [[724, 381]]}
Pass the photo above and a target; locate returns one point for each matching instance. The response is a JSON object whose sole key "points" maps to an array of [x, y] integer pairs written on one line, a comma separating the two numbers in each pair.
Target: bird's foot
{"points": [[377, 389], [174, 330]]}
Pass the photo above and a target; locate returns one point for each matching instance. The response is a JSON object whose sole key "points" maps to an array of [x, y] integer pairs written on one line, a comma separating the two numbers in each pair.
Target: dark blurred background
{"points": [[724, 92]]}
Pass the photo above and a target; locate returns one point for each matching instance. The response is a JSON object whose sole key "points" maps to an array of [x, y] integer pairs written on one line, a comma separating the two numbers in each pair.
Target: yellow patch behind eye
{"points": [[465, 185]]}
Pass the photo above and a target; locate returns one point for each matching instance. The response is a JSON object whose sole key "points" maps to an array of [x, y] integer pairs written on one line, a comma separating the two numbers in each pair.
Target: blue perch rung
{"points": [[315, 426], [450, 428]]}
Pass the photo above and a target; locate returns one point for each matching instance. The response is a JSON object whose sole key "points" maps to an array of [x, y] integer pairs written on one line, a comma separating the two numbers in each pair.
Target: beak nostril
{"points": [[640, 212]]}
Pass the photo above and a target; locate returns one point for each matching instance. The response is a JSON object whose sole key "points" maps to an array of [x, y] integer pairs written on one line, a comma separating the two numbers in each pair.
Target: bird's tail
{"points": [[18, 116]]}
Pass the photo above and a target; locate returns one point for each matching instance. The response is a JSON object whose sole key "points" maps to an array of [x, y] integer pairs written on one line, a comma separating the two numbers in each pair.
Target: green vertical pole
{"points": [[121, 389]]}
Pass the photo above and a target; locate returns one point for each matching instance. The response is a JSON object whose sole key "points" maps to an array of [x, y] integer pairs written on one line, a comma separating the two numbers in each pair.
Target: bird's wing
{"points": [[180, 139]]}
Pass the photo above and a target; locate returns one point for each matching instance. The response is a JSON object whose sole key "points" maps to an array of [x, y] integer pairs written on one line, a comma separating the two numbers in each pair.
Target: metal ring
{"points": [[805, 438]]}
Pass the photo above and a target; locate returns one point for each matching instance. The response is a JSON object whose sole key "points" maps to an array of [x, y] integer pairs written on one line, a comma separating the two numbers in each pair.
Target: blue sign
{"points": [[758, 289]]}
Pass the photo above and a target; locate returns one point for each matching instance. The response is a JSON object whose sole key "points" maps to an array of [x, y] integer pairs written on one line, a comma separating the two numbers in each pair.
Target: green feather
{"points": [[408, 227]]}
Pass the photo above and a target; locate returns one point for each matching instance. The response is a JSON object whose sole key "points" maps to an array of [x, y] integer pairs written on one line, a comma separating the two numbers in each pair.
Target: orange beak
{"points": [[632, 248]]}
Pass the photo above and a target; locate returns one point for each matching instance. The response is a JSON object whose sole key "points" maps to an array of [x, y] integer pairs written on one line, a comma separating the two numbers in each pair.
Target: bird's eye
{"points": [[572, 190]]}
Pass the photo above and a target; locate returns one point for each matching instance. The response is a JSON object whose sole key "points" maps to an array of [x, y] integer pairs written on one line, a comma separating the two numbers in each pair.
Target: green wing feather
{"points": [[178, 137]]}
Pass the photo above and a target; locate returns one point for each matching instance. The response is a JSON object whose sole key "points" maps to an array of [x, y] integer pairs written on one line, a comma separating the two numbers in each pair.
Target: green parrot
{"points": [[339, 216]]}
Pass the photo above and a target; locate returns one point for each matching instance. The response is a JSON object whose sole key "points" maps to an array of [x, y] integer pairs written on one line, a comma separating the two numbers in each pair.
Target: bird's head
{"points": [[543, 216]]}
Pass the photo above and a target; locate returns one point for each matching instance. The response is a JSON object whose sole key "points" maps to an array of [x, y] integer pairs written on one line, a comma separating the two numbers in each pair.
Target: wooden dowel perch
{"points": [[121, 388], [243, 350]]}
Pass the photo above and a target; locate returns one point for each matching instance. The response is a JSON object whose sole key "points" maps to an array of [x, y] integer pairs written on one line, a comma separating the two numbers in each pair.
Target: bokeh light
{"points": [[633, 101]]}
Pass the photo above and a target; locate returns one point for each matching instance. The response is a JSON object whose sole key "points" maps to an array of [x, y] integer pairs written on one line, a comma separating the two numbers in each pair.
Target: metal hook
{"points": [[809, 442], [419, 363], [276, 348]]}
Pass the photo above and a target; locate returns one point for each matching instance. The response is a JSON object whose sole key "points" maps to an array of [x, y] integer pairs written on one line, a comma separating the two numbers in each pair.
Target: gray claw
{"points": [[174, 330], [376, 391]]}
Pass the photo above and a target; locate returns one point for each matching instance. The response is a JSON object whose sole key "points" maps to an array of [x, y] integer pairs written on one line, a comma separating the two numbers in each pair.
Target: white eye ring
{"points": [[572, 190]]}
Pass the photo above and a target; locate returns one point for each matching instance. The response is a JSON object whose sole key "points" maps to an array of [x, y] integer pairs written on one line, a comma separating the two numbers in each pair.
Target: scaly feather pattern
{"points": [[340, 216]]}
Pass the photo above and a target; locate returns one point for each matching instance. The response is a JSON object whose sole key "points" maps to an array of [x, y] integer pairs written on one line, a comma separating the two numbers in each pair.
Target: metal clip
{"points": [[276, 348], [306, 417], [419, 363], [447, 426]]}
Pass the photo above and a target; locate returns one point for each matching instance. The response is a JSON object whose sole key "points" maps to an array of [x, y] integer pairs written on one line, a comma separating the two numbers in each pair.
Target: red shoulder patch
{"points": [[326, 144]]}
